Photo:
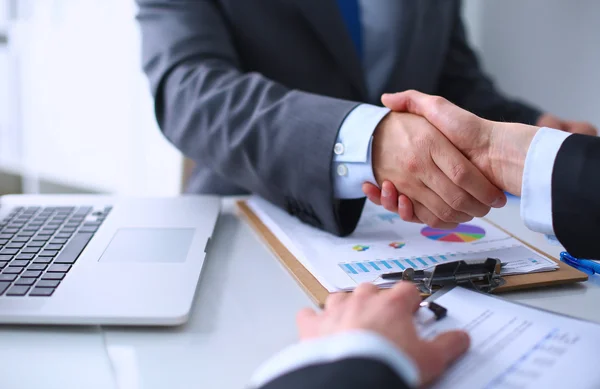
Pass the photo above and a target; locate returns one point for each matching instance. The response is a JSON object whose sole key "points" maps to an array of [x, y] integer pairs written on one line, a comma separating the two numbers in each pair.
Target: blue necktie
{"points": [[351, 14]]}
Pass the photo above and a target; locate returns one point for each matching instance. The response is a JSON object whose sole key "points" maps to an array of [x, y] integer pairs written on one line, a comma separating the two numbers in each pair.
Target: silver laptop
{"points": [[102, 260]]}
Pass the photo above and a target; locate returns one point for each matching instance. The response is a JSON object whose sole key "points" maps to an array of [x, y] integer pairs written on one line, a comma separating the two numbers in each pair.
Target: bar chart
{"points": [[369, 271], [516, 259]]}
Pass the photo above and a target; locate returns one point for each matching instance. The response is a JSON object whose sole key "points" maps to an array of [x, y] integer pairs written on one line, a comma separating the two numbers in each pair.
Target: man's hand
{"points": [[446, 188], [498, 150], [551, 121], [389, 314]]}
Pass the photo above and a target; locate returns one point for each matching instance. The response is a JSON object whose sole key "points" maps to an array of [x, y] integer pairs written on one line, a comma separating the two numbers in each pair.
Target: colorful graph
{"points": [[464, 233], [359, 248], [397, 245]]}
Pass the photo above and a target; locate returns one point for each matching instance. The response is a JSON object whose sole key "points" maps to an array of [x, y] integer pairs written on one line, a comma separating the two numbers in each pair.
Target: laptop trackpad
{"points": [[149, 245]]}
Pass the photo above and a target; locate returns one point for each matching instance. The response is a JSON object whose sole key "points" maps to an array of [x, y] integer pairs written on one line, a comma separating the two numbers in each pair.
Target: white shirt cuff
{"points": [[536, 192], [351, 165], [355, 344]]}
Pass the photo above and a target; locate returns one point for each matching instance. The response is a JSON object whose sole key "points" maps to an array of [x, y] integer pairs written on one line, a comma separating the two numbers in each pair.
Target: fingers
{"points": [[433, 108], [426, 216], [335, 301], [372, 192], [389, 197], [464, 187], [405, 296], [406, 210], [447, 347], [581, 128], [306, 320], [364, 290], [440, 208]]}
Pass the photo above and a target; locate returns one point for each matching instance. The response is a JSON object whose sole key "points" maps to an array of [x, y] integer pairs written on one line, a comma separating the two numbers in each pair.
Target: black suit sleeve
{"points": [[576, 196], [356, 373], [465, 84]]}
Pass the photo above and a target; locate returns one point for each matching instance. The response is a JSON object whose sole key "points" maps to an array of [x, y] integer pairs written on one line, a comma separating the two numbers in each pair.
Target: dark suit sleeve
{"points": [[576, 196], [464, 83], [262, 136], [345, 374]]}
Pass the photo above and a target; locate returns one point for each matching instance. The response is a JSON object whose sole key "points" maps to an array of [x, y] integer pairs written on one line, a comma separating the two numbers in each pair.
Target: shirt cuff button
{"points": [[342, 170], [338, 149]]}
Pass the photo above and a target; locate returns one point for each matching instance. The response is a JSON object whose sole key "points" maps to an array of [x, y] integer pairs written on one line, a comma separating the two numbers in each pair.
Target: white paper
{"points": [[383, 243], [513, 346]]}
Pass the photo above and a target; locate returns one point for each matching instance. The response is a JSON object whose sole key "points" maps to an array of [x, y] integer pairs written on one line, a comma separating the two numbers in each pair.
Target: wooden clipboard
{"points": [[563, 275]]}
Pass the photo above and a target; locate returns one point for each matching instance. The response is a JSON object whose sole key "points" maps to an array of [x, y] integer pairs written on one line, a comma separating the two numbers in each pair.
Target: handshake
{"points": [[441, 165]]}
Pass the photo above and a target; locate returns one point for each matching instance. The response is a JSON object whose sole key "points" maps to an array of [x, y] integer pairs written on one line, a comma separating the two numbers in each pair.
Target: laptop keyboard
{"points": [[39, 245]]}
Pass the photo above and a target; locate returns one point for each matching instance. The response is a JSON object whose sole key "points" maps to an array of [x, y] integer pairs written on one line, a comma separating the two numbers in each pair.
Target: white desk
{"points": [[236, 324]]}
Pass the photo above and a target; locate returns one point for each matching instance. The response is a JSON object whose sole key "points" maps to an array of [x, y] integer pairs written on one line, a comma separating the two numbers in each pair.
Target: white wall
{"points": [[547, 51], [86, 114]]}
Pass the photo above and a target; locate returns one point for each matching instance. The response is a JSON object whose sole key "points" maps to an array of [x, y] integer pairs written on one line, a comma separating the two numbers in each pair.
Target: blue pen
{"points": [[585, 265]]}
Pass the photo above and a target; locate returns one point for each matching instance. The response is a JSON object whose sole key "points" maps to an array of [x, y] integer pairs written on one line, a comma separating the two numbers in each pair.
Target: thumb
{"points": [[414, 102], [448, 347]]}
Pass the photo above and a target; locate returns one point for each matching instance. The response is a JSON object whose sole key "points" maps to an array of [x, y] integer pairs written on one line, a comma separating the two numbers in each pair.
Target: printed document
{"points": [[513, 346], [384, 243]]}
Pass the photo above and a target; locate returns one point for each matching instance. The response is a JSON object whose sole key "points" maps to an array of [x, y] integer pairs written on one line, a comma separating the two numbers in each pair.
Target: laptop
{"points": [[95, 260]]}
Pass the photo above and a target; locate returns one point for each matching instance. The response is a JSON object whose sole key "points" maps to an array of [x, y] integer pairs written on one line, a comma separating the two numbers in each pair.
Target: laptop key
{"points": [[74, 248], [25, 281], [16, 245], [37, 266], [47, 284], [18, 290], [36, 243], [64, 235], [58, 241], [19, 263], [13, 270], [48, 253], [9, 251], [25, 257], [41, 292], [43, 260], [59, 268], [8, 277], [53, 276], [21, 239], [5, 258], [3, 264], [53, 247], [30, 250], [3, 286], [31, 274], [3, 242]]}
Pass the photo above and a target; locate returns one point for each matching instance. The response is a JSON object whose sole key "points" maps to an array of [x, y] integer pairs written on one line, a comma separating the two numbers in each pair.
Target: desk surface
{"points": [[236, 324]]}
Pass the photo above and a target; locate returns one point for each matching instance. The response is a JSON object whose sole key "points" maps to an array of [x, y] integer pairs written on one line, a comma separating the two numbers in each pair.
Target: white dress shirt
{"points": [[536, 190]]}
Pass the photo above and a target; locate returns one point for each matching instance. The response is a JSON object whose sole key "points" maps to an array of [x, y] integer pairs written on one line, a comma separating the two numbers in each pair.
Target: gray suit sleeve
{"points": [[274, 141], [464, 83]]}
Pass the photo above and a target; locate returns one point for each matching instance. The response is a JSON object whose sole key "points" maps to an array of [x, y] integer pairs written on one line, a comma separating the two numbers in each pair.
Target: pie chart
{"points": [[464, 233]]}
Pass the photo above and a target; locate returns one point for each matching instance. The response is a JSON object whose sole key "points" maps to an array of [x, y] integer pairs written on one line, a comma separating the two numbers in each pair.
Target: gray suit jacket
{"points": [[255, 91]]}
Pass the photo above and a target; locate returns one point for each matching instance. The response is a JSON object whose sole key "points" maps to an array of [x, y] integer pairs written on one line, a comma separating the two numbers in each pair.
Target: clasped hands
{"points": [[441, 165]]}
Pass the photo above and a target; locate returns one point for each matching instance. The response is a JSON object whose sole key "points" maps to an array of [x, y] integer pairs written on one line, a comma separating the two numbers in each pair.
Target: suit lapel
{"points": [[325, 18]]}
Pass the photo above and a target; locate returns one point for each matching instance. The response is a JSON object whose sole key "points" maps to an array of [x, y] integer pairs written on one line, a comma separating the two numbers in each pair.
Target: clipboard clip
{"points": [[480, 275]]}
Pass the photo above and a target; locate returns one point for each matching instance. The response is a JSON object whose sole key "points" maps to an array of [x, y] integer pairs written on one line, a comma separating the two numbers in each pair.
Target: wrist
{"points": [[509, 143]]}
